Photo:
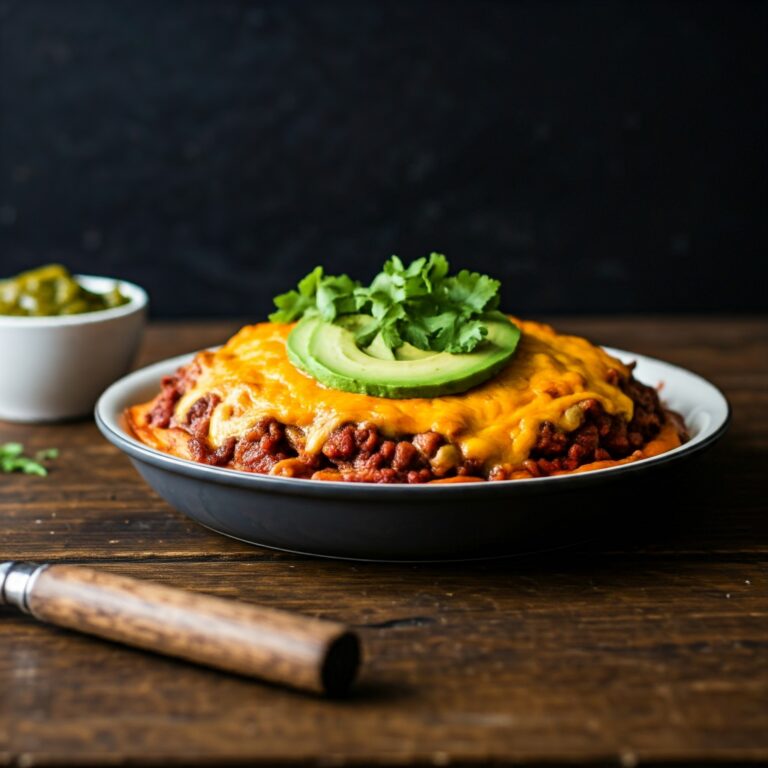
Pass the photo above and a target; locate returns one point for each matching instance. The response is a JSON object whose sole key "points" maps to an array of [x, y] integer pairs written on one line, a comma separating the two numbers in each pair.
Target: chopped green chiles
{"points": [[52, 290]]}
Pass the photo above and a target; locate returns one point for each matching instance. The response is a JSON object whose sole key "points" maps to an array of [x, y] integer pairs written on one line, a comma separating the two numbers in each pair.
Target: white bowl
{"points": [[54, 368]]}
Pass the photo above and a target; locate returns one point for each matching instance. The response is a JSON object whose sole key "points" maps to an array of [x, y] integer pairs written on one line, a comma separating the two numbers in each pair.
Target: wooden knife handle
{"points": [[295, 650]]}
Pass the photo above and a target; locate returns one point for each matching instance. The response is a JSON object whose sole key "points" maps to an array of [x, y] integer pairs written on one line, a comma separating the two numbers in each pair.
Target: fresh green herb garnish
{"points": [[12, 459], [421, 304]]}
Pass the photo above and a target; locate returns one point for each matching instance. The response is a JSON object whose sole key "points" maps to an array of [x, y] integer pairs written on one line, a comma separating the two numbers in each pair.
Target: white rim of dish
{"points": [[715, 426], [137, 300]]}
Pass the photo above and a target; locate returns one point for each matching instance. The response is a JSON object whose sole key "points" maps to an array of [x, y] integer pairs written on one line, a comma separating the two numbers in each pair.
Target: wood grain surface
{"points": [[648, 646]]}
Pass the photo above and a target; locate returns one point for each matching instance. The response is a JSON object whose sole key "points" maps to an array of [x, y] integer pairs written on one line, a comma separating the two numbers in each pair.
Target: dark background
{"points": [[598, 157]]}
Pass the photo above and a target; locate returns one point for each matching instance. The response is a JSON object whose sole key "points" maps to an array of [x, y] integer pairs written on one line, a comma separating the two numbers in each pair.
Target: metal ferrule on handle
{"points": [[16, 582]]}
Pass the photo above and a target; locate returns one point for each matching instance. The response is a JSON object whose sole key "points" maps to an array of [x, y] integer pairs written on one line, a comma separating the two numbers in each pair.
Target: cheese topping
{"points": [[496, 423]]}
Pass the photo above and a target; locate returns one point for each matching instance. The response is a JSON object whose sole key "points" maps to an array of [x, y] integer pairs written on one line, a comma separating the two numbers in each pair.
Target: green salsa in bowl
{"points": [[52, 290]]}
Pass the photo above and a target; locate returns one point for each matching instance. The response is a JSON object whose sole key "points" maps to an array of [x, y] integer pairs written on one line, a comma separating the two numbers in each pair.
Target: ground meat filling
{"points": [[601, 437], [263, 447], [172, 388], [360, 453]]}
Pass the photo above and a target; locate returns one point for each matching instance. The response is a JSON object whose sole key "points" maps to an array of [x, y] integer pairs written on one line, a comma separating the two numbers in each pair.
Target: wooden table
{"points": [[651, 646]]}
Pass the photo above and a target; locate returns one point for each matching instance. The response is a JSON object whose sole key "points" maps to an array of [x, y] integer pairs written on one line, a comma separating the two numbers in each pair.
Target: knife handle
{"points": [[282, 647]]}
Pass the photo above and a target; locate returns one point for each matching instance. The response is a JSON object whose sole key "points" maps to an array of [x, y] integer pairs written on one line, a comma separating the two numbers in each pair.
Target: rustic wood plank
{"points": [[489, 661], [649, 644]]}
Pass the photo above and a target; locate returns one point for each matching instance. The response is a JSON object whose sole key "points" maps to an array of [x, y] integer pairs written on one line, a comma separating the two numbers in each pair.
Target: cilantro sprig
{"points": [[12, 459], [419, 303]]}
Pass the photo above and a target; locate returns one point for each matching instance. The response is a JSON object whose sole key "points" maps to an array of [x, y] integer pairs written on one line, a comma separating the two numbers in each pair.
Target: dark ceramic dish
{"points": [[413, 522]]}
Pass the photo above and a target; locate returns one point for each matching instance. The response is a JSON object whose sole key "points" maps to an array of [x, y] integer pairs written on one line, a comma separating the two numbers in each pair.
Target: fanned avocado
{"points": [[377, 348], [328, 352], [297, 345], [409, 352]]}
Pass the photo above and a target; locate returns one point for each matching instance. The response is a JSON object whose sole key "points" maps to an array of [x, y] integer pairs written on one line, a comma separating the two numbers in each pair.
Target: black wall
{"points": [[598, 157]]}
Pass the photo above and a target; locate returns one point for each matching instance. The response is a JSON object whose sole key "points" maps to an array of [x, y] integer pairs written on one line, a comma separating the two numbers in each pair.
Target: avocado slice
{"points": [[409, 352], [328, 353], [297, 345], [377, 348]]}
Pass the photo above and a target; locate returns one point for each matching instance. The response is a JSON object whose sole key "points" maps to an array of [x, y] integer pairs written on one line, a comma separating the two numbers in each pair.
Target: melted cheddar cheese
{"points": [[496, 423]]}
